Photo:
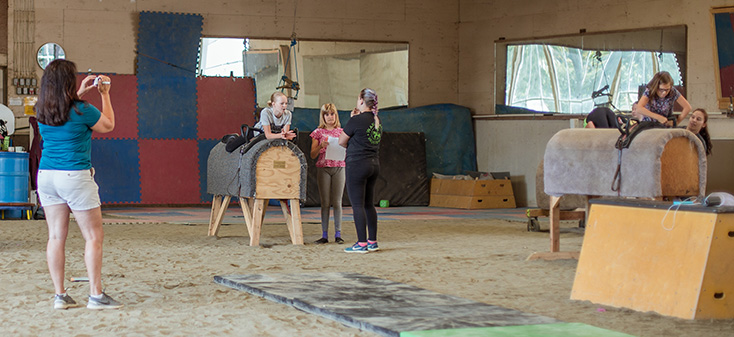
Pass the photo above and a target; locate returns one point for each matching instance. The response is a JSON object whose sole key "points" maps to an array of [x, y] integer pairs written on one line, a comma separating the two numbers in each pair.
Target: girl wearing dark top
{"points": [[697, 125], [601, 118], [361, 136], [659, 98]]}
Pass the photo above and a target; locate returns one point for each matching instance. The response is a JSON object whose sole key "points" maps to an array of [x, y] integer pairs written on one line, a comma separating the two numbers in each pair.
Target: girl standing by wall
{"points": [[329, 173]]}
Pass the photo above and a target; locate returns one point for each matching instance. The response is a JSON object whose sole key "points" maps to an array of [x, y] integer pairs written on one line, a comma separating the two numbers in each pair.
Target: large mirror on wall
{"points": [[575, 73], [326, 71], [49, 52]]}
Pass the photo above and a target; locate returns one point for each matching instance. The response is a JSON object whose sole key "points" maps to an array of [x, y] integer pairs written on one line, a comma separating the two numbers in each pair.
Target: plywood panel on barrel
{"points": [[679, 168], [278, 174]]}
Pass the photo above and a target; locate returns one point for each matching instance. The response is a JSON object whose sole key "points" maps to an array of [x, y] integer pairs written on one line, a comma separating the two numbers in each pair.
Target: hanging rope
{"points": [[660, 54], [285, 82]]}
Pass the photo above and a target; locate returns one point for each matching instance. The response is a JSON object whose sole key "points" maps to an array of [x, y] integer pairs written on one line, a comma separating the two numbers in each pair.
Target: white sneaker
{"points": [[105, 302], [64, 302]]}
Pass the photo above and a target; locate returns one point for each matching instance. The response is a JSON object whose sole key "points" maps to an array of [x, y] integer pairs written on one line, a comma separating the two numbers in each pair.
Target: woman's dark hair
{"points": [[704, 132], [58, 93]]}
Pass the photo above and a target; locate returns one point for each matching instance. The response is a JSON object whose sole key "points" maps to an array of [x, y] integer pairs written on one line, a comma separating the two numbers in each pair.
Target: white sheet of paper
{"points": [[335, 151]]}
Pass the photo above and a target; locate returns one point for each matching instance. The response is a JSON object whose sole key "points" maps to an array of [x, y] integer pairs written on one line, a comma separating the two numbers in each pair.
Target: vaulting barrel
{"points": [[658, 163], [268, 169], [277, 170]]}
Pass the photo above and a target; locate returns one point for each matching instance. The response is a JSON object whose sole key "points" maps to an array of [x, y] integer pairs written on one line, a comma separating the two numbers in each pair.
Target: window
{"points": [[560, 73], [562, 79], [326, 71], [222, 57]]}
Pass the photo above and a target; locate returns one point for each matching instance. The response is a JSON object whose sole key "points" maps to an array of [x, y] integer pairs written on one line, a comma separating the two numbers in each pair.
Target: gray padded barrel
{"points": [[234, 173], [222, 171], [247, 174], [584, 161]]}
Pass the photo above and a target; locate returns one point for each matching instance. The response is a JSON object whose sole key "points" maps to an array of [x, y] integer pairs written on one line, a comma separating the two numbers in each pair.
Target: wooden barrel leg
{"points": [[246, 205], [214, 227], [287, 215], [257, 220], [294, 223], [216, 203], [555, 224]]}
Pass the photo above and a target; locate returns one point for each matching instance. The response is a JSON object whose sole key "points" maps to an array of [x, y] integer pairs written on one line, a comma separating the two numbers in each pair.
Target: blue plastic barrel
{"points": [[13, 177]]}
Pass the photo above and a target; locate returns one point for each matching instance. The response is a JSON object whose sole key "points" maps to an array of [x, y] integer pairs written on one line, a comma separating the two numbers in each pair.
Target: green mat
{"points": [[537, 330]]}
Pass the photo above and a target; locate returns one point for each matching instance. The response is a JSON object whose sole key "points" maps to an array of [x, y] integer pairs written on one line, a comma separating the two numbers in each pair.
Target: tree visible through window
{"points": [[561, 79]]}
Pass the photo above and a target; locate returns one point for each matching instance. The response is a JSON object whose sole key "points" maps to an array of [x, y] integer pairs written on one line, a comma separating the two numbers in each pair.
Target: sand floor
{"points": [[164, 274]]}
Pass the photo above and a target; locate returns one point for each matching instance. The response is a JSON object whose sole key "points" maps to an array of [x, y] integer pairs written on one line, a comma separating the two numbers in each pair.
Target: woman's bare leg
{"points": [[90, 223], [57, 219]]}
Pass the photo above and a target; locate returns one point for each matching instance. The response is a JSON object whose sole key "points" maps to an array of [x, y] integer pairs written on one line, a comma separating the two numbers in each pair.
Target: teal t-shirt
{"points": [[69, 147]]}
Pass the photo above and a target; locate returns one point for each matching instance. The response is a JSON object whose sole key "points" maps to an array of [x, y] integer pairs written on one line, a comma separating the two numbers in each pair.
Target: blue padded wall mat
{"points": [[169, 42], [450, 146], [117, 170], [205, 146], [167, 107], [166, 71]]}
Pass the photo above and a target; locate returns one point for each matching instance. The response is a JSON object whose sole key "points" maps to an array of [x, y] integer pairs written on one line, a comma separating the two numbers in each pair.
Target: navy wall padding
{"points": [[167, 39], [205, 146], [167, 107], [117, 170], [166, 71], [450, 146]]}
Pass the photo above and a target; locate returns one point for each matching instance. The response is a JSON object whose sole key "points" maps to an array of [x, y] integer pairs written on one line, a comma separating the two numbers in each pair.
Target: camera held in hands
{"points": [[98, 80]]}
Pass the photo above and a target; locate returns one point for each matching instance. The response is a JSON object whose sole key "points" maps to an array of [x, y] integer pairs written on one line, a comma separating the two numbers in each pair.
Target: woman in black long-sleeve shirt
{"points": [[361, 136]]}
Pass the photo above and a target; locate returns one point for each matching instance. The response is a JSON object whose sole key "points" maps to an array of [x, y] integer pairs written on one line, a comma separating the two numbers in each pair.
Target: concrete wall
{"points": [[483, 22], [101, 34], [516, 146], [451, 47]]}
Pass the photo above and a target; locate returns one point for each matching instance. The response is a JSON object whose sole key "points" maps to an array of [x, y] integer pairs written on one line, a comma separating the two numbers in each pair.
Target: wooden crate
{"points": [[644, 256], [472, 194]]}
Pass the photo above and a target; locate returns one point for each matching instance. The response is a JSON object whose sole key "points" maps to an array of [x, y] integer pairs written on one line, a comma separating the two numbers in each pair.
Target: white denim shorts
{"points": [[74, 188]]}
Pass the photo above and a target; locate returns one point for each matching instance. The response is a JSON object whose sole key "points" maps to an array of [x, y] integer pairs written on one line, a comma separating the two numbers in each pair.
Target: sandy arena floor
{"points": [[163, 272]]}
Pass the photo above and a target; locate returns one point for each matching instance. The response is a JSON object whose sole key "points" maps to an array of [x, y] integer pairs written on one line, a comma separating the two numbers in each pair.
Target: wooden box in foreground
{"points": [[644, 255], [472, 194]]}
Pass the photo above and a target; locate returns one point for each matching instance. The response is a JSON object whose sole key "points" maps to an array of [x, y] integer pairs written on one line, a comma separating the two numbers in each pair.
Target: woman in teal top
{"points": [[65, 175]]}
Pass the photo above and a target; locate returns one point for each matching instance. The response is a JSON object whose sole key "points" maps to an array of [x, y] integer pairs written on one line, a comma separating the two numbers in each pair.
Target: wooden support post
{"points": [[246, 205], [286, 213], [295, 227], [555, 232], [555, 224], [221, 208], [216, 203], [258, 214]]}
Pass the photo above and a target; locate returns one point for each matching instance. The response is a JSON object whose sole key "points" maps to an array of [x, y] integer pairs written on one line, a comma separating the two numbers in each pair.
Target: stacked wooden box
{"points": [[472, 194]]}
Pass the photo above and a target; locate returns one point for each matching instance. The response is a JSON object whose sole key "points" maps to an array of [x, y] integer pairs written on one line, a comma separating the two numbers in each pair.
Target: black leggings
{"points": [[361, 179]]}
